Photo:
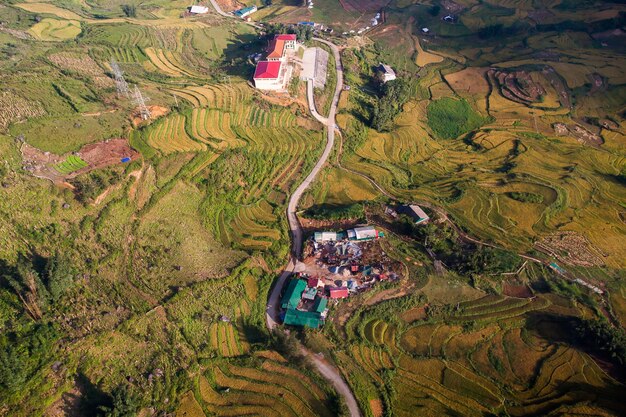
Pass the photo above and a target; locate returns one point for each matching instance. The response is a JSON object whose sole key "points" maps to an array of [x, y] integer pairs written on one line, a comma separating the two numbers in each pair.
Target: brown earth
{"points": [[311, 225], [230, 5], [96, 155], [570, 248], [516, 290], [155, 113], [377, 407]]}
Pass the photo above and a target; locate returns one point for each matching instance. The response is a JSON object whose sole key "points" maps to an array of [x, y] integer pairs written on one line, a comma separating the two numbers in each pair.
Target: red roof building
{"points": [[285, 37], [339, 293], [267, 70], [314, 282]]}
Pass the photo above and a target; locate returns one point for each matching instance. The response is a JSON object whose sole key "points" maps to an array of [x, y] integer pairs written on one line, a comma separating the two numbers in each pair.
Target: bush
{"points": [[526, 197], [449, 118], [335, 212]]}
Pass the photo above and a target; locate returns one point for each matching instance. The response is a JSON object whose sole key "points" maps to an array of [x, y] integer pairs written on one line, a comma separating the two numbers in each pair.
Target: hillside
{"points": [[139, 245]]}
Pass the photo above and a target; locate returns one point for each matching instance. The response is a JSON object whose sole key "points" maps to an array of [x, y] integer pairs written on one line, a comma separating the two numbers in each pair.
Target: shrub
{"points": [[526, 197]]}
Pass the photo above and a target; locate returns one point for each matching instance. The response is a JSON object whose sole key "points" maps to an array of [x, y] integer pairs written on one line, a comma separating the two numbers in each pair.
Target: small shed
{"points": [[315, 283], [309, 293], [321, 237], [415, 212], [388, 73], [198, 9], [320, 305]]}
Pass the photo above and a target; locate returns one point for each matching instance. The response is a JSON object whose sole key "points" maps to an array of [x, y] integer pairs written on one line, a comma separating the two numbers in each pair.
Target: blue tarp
{"points": [[126, 159]]}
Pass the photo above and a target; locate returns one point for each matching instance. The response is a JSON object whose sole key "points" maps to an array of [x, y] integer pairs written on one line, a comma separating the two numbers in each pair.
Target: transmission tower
{"points": [[120, 82], [141, 103]]}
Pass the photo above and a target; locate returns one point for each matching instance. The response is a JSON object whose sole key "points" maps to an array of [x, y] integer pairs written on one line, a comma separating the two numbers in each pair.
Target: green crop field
{"points": [[71, 164], [132, 287]]}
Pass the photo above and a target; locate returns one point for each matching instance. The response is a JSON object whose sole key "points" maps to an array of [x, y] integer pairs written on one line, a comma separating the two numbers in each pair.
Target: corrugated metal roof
{"points": [[293, 294], [295, 317], [320, 304]]}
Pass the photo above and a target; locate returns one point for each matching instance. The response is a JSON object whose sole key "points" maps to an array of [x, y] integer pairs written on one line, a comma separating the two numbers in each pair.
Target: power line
{"points": [[140, 101], [120, 82]]}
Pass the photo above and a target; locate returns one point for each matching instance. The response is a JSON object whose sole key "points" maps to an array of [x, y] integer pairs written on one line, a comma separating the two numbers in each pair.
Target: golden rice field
{"points": [[55, 30], [499, 364], [269, 388]]}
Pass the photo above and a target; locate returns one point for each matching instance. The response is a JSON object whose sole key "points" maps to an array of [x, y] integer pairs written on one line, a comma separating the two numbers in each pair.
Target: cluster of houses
{"points": [[336, 268], [273, 72]]}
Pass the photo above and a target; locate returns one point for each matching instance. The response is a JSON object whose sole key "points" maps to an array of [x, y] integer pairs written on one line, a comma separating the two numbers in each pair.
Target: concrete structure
{"points": [[364, 233], [321, 237], [415, 212], [388, 73], [246, 11], [273, 73], [198, 9]]}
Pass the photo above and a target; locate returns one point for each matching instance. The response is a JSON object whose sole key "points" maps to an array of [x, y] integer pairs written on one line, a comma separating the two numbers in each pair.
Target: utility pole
{"points": [[120, 82], [140, 102]]}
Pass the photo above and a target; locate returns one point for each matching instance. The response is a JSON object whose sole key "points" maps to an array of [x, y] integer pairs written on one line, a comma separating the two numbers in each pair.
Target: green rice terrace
{"points": [[153, 195]]}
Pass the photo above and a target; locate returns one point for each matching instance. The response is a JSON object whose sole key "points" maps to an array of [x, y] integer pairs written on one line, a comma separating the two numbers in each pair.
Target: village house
{"points": [[415, 212], [245, 12], [388, 73], [197, 9], [364, 233]]}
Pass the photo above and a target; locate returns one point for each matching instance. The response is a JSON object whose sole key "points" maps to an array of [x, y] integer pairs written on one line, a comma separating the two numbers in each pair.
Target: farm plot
{"points": [[55, 30], [14, 108], [168, 135], [169, 63], [276, 390], [71, 164]]}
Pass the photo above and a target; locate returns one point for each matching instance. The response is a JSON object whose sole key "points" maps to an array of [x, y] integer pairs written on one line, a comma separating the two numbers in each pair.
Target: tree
{"points": [[394, 94], [126, 402], [60, 275], [129, 10]]}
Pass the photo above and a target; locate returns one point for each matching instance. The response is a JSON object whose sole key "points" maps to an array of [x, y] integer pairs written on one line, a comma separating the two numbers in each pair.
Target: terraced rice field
{"points": [[441, 367], [168, 135], [71, 164], [271, 388], [49, 29]]}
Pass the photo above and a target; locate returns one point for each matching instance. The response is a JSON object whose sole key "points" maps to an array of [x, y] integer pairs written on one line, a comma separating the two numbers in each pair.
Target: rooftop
{"points": [[276, 48], [295, 317], [267, 70], [292, 296]]}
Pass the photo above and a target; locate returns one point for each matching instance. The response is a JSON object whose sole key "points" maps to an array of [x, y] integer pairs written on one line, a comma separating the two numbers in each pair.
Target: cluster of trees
{"points": [[129, 10], [89, 186], [303, 32], [354, 136], [526, 197], [393, 96], [27, 341], [335, 212], [603, 339]]}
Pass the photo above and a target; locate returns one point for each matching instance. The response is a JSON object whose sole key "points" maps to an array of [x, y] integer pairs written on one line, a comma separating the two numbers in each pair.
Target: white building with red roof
{"points": [[273, 72]]}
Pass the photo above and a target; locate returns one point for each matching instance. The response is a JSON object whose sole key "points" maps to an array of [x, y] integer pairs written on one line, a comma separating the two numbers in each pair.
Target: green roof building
{"points": [[293, 294], [295, 317], [320, 305]]}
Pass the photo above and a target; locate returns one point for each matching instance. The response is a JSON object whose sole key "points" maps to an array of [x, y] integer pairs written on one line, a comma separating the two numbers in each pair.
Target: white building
{"points": [[273, 72], [388, 73], [198, 9]]}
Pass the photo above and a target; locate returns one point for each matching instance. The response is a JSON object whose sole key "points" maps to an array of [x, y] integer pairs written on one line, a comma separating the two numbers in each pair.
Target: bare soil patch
{"points": [[377, 407], [230, 5], [311, 225], [96, 155], [155, 113], [516, 290]]}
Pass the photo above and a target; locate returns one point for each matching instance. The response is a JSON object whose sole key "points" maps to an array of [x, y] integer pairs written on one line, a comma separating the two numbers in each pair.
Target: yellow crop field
{"points": [[56, 30], [168, 135], [47, 8], [189, 407]]}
